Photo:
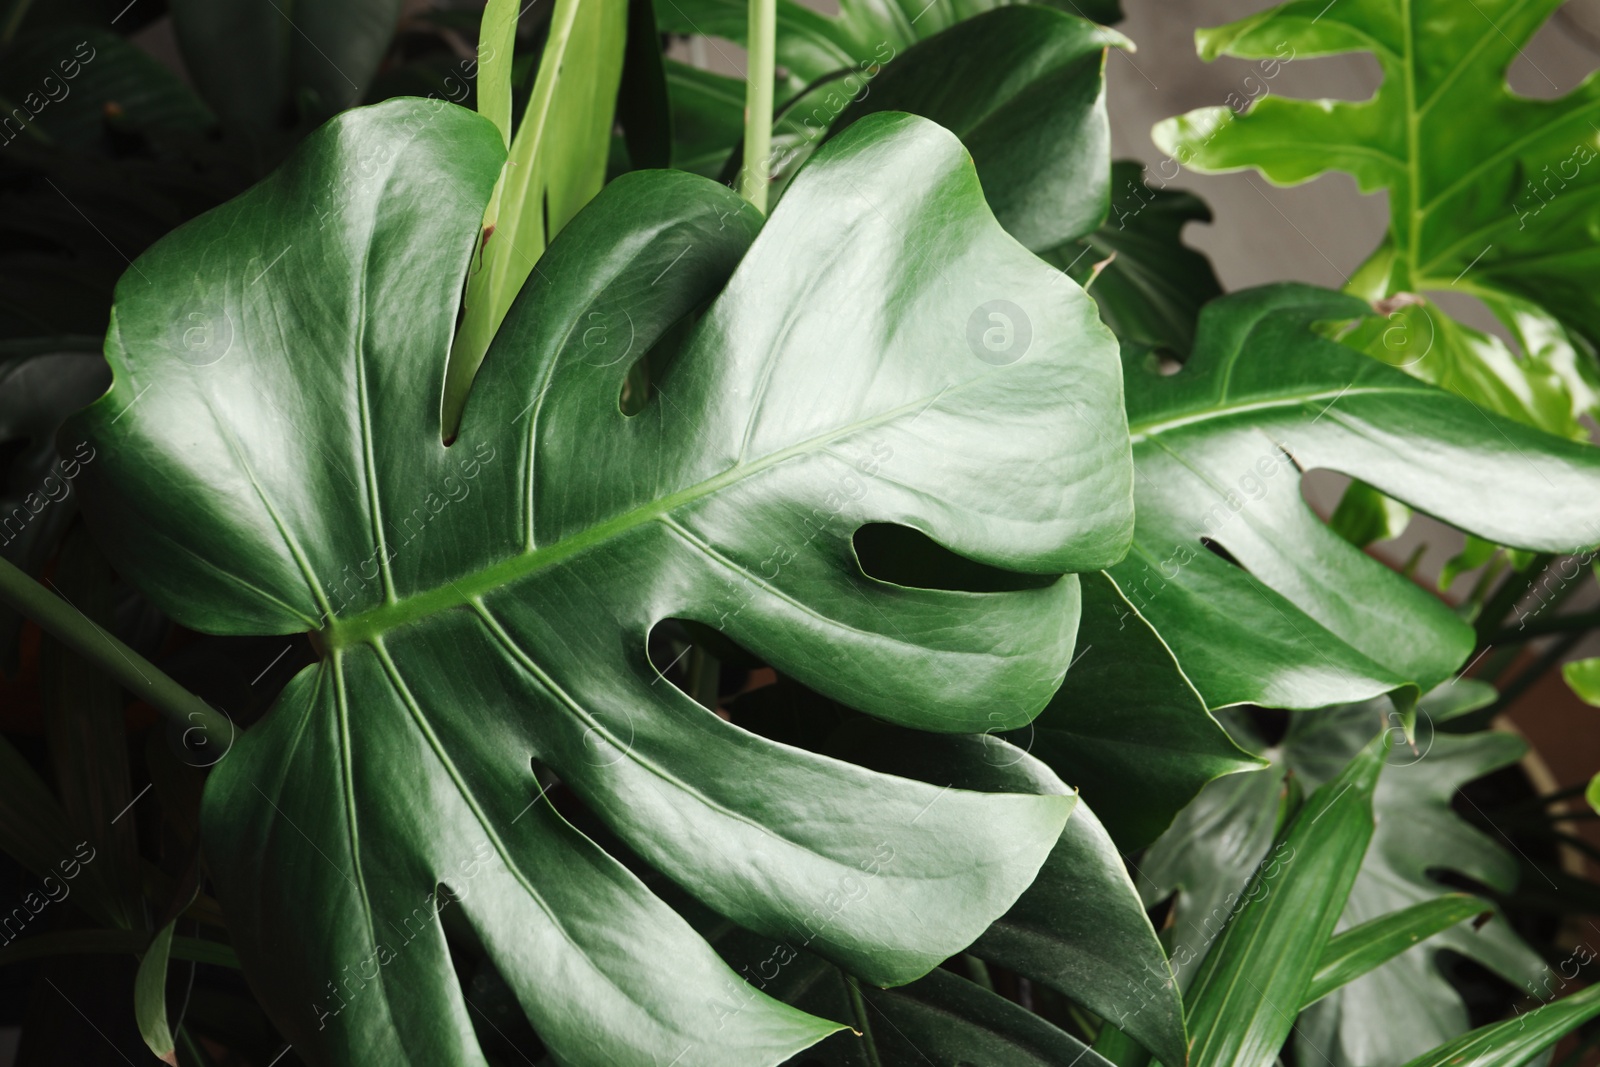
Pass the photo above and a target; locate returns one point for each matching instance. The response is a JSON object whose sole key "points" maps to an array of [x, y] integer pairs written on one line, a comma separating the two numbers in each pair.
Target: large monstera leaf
{"points": [[483, 606], [1504, 207], [1285, 613]]}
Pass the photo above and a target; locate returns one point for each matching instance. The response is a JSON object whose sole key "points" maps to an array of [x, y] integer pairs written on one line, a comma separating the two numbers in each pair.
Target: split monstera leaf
{"points": [[483, 604], [1503, 208]]}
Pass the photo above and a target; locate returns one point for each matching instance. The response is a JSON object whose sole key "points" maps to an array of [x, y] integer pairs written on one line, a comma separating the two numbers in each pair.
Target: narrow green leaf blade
{"points": [[150, 996], [1516, 1041], [496, 48], [1251, 983], [1356, 951]]}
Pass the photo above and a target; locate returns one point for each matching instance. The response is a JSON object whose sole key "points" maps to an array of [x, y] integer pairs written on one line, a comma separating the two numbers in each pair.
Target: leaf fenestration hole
{"points": [[503, 1032], [908, 557]]}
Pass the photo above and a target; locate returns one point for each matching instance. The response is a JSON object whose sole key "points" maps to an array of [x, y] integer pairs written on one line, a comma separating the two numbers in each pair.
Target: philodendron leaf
{"points": [[812, 45], [1080, 928], [487, 604], [1153, 288], [1127, 728], [1501, 207], [1288, 613]]}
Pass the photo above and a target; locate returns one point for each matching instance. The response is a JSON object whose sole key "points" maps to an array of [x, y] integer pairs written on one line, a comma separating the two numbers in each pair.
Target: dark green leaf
{"points": [[86, 733], [1242, 1005], [643, 107], [1024, 89], [113, 943], [948, 1021], [1516, 1041], [1127, 728], [1375, 942], [707, 117], [71, 79], [487, 604], [1152, 291], [864, 33], [1305, 619], [316, 55], [1081, 930]]}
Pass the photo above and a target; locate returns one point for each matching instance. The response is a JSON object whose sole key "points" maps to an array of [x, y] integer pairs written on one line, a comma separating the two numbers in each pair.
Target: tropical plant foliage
{"points": [[880, 627]]}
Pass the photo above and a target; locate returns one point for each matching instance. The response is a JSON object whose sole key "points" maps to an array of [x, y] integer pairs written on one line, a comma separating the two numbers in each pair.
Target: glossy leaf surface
{"points": [[1241, 1007], [1080, 928], [1300, 618], [1503, 207], [486, 604], [1024, 89], [1376, 941], [812, 45], [1516, 1041], [1127, 728]]}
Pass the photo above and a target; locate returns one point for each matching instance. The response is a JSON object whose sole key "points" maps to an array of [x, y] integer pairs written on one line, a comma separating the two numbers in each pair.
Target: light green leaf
{"points": [[1241, 1006], [1501, 207], [1365, 515], [1375, 942], [1583, 678], [150, 997], [557, 163], [487, 604], [496, 54], [1305, 619], [1420, 339]]}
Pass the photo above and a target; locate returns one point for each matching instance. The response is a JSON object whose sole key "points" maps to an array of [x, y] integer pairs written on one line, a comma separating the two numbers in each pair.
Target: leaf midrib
{"points": [[1140, 431], [372, 624]]}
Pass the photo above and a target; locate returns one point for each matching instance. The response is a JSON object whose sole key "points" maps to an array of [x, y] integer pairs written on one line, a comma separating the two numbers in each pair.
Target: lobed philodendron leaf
{"points": [[1286, 613], [1502, 207], [486, 605]]}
